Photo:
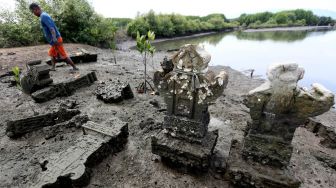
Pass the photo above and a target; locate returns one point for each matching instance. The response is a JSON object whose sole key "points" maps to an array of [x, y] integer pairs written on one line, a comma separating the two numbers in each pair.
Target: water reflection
{"points": [[313, 50], [282, 36], [212, 39]]}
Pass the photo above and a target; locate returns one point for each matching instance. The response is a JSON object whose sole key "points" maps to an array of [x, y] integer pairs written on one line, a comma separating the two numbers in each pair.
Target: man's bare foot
{"points": [[53, 69]]}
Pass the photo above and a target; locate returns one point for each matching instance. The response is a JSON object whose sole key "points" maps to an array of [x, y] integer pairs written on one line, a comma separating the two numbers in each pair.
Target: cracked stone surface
{"points": [[70, 167]]}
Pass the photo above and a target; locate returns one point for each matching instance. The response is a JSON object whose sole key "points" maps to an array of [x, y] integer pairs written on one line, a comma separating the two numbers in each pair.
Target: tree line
{"points": [[298, 17], [170, 25], [79, 23], [76, 20]]}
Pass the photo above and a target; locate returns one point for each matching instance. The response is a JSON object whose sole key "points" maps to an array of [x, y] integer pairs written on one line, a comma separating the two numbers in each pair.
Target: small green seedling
{"points": [[16, 72], [144, 46]]}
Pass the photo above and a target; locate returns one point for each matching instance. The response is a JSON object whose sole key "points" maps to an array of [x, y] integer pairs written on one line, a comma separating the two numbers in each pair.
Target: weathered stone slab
{"points": [[82, 57], [71, 167], [178, 151], [325, 131], [114, 92], [243, 173], [20, 127], [64, 89]]}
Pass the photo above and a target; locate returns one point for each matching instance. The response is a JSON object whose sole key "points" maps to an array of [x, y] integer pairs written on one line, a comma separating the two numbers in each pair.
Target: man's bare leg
{"points": [[69, 61], [53, 64]]}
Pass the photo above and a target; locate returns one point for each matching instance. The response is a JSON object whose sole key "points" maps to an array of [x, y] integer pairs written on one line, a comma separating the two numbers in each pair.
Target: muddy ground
{"points": [[135, 166]]}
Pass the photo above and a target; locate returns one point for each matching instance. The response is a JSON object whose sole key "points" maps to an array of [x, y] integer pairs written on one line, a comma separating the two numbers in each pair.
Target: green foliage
{"points": [[16, 71], [297, 17], [144, 46], [170, 25], [76, 20], [120, 22]]}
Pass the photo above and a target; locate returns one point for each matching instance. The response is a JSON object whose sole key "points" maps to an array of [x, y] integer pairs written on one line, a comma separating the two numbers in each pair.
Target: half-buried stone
{"points": [[114, 92]]}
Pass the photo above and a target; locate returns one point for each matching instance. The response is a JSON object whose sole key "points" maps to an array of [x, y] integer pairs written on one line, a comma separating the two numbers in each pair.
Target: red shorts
{"points": [[57, 51]]}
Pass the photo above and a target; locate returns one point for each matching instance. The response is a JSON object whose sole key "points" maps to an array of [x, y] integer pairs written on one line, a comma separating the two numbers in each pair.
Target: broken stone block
{"points": [[326, 132], [20, 127], [36, 77], [64, 89], [277, 108], [188, 89], [114, 92], [80, 57], [71, 167]]}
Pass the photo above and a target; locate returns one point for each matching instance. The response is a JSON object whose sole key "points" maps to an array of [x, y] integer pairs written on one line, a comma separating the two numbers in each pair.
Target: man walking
{"points": [[53, 37]]}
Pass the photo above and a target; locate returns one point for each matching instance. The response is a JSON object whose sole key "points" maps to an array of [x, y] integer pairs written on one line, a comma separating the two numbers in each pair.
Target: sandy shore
{"points": [[135, 166]]}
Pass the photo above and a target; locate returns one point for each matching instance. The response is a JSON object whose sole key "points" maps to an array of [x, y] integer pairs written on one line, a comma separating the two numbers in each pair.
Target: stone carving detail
{"points": [[277, 108], [36, 77], [188, 89]]}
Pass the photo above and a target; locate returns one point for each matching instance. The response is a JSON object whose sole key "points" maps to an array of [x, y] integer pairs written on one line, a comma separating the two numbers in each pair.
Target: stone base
{"points": [[71, 167], [244, 173], [180, 152], [267, 150]]}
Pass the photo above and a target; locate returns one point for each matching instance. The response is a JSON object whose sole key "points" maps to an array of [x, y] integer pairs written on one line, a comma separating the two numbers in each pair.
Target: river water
{"points": [[315, 51]]}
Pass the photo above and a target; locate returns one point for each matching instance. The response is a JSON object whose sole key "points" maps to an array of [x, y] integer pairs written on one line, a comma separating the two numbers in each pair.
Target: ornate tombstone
{"points": [[188, 89]]}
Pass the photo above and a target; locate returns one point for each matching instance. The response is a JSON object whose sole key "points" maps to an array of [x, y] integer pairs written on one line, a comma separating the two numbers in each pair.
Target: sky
{"points": [[231, 8]]}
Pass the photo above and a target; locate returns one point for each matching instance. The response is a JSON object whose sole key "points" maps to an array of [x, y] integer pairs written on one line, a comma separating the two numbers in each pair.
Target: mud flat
{"points": [[136, 166]]}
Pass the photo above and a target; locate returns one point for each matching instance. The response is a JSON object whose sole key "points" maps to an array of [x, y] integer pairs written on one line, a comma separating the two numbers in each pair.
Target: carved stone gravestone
{"points": [[188, 89], [277, 108]]}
